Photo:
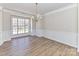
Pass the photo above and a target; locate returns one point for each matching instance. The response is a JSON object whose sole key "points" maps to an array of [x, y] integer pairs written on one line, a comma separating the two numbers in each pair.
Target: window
{"points": [[20, 25]]}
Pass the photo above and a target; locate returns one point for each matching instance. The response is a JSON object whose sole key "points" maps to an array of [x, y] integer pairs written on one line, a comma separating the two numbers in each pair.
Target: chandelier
{"points": [[37, 16]]}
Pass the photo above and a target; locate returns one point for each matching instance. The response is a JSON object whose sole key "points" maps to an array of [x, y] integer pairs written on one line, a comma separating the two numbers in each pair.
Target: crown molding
{"points": [[61, 9], [19, 11]]}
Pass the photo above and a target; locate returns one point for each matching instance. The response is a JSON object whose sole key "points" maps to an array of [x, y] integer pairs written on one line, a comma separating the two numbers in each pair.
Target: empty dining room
{"points": [[39, 29]]}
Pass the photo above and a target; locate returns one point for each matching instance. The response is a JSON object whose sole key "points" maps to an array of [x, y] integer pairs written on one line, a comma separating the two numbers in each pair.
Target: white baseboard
{"points": [[51, 38], [1, 43], [68, 38], [19, 35]]}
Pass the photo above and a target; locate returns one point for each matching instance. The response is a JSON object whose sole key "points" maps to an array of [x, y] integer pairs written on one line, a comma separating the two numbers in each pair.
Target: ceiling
{"points": [[30, 7]]}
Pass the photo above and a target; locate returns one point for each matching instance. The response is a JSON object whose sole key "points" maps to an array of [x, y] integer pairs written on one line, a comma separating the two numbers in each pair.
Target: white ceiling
{"points": [[30, 7]]}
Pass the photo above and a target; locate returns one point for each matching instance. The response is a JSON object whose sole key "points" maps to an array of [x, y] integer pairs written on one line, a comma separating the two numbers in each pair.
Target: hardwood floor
{"points": [[35, 46]]}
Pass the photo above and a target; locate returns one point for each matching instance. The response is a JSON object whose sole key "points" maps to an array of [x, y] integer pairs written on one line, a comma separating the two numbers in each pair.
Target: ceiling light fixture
{"points": [[37, 15]]}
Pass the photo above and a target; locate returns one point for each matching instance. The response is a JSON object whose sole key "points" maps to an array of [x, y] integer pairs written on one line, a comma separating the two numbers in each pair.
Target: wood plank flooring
{"points": [[35, 46]]}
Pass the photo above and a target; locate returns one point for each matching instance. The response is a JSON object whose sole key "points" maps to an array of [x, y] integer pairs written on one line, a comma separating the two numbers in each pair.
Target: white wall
{"points": [[61, 25], [0, 25], [39, 26], [78, 26]]}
